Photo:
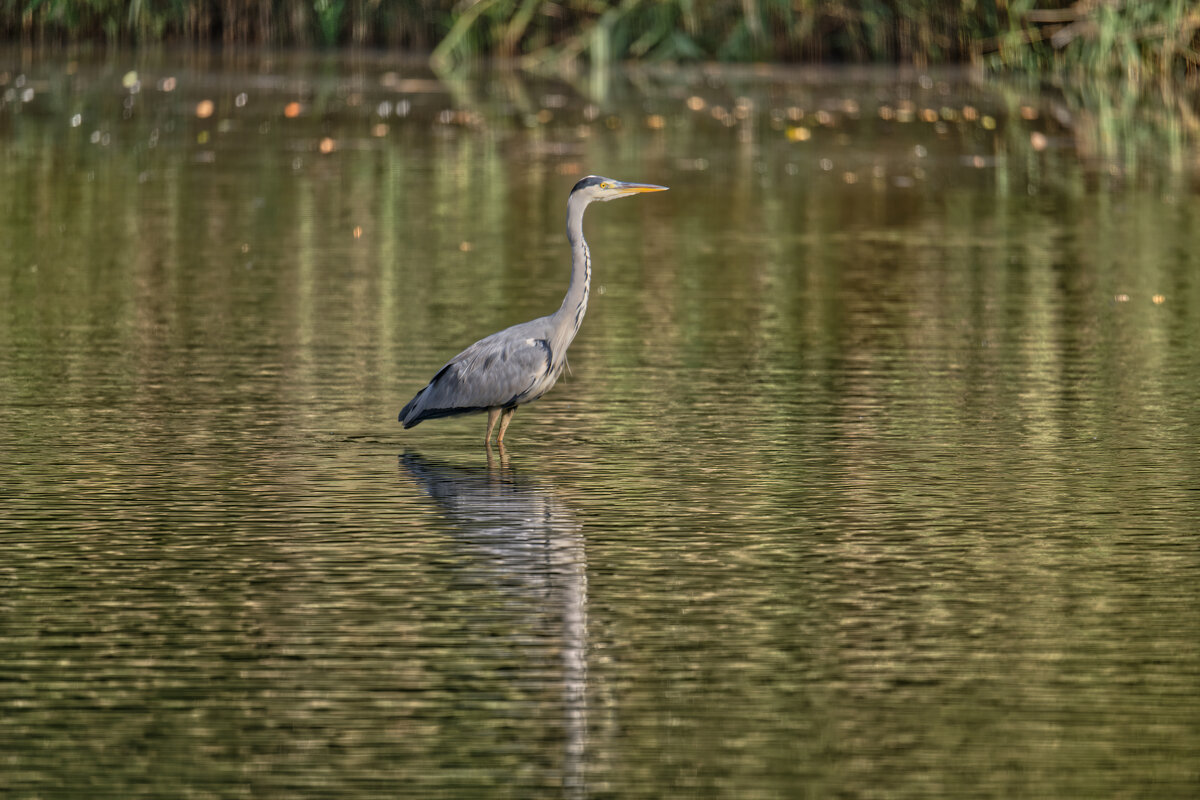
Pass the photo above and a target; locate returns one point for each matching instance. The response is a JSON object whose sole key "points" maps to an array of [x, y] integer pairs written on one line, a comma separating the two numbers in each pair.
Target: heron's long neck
{"points": [[570, 314]]}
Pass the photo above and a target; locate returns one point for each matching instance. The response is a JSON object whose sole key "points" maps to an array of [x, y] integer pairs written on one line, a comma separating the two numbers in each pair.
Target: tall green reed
{"points": [[1125, 37]]}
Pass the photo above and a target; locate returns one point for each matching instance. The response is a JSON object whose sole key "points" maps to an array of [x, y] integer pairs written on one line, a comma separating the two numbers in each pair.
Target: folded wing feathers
{"points": [[502, 370]]}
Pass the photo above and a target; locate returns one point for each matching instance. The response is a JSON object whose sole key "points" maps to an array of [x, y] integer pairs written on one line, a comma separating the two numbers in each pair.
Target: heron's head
{"points": [[594, 187]]}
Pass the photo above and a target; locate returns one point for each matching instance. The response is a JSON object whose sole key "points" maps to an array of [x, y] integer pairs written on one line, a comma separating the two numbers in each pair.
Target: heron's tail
{"points": [[407, 415]]}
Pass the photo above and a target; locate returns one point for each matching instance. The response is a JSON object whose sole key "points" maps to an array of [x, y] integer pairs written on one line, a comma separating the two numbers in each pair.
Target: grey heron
{"points": [[520, 364]]}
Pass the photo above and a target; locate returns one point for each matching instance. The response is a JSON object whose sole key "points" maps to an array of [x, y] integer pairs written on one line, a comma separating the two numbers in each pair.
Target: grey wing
{"points": [[502, 370]]}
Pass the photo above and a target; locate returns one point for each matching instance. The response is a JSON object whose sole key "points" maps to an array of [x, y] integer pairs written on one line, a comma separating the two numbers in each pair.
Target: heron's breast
{"points": [[545, 381]]}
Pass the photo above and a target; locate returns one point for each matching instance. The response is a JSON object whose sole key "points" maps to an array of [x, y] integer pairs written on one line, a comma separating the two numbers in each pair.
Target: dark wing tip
{"points": [[408, 407]]}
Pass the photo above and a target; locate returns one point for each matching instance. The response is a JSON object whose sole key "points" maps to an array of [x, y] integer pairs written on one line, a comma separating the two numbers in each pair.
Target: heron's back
{"points": [[504, 370]]}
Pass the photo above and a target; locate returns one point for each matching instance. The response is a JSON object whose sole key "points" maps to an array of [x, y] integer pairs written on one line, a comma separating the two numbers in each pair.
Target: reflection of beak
{"points": [[632, 188]]}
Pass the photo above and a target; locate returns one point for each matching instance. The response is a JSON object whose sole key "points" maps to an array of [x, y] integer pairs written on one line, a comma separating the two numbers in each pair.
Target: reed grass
{"points": [[1127, 37]]}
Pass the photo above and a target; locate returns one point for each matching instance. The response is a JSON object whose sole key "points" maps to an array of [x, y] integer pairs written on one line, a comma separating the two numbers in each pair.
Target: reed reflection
{"points": [[516, 533]]}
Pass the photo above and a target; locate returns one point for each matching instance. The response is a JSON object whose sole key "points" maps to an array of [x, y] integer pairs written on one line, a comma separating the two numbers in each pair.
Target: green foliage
{"points": [[329, 19], [1113, 36]]}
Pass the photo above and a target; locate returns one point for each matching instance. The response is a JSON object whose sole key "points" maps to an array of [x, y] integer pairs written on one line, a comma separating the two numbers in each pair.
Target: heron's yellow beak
{"points": [[631, 188]]}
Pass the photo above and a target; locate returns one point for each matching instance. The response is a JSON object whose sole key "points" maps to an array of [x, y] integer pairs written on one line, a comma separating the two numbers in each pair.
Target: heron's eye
{"points": [[604, 186]]}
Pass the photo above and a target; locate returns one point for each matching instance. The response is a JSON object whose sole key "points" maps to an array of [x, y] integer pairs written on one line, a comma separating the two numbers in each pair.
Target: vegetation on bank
{"points": [[1130, 37]]}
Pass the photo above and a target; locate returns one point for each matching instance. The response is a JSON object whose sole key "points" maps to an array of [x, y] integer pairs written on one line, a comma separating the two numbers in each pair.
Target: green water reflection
{"points": [[875, 475]]}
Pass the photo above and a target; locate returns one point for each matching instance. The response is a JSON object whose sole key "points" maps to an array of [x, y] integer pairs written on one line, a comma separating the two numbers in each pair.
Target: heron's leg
{"points": [[505, 418], [493, 413]]}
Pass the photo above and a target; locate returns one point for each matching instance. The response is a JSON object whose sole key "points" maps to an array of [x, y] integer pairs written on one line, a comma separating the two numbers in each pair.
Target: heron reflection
{"points": [[516, 533]]}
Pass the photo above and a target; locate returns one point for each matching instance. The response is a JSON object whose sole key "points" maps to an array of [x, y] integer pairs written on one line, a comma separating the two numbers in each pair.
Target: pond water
{"points": [[875, 475]]}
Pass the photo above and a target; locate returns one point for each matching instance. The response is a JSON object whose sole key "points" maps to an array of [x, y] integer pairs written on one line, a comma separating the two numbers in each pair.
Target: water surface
{"points": [[875, 474]]}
